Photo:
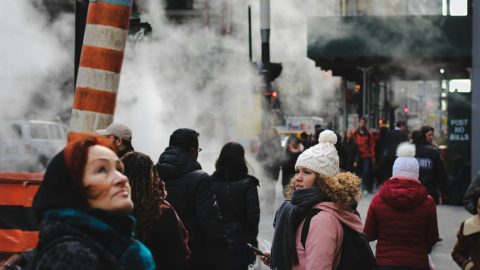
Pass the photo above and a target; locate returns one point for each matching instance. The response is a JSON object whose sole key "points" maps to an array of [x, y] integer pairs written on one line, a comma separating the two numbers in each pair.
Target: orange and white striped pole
{"points": [[100, 64]]}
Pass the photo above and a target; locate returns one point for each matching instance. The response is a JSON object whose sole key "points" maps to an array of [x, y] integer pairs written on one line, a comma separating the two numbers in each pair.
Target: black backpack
{"points": [[356, 252]]}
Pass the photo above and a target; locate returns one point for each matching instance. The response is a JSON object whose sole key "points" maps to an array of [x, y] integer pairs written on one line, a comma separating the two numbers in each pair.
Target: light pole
{"points": [[475, 136]]}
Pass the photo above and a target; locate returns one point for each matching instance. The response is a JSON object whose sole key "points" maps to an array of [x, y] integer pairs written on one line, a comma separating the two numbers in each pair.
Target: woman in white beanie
{"points": [[402, 217], [317, 183]]}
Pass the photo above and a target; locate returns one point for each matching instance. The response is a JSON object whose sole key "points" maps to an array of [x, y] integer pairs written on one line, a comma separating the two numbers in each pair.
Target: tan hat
{"points": [[118, 130]]}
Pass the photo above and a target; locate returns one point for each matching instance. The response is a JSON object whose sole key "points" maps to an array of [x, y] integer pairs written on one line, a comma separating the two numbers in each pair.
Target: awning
{"points": [[407, 47]]}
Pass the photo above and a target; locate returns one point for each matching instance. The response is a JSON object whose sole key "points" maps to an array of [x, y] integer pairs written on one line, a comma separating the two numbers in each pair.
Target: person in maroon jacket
{"points": [[366, 148], [402, 217]]}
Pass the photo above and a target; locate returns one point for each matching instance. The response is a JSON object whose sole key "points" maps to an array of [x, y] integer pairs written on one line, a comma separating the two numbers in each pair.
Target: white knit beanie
{"points": [[406, 164], [321, 158]]}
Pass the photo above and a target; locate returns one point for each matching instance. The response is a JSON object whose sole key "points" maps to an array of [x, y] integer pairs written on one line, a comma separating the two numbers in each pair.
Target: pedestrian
{"points": [[427, 133], [432, 169], [351, 151], [237, 196], [466, 252], [393, 139], [158, 225], [317, 184], [366, 147], [402, 217], [270, 157], [83, 204], [292, 150], [305, 139], [190, 193], [380, 171], [120, 136]]}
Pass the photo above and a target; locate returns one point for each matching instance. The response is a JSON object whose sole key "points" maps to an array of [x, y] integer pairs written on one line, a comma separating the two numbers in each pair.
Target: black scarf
{"points": [[287, 219]]}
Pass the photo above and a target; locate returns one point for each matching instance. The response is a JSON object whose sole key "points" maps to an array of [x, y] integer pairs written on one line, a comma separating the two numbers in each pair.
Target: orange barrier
{"points": [[18, 226]]}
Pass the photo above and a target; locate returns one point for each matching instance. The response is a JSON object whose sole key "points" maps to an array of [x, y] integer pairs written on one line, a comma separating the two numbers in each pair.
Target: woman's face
{"points": [[349, 134], [107, 187], [304, 178], [429, 136]]}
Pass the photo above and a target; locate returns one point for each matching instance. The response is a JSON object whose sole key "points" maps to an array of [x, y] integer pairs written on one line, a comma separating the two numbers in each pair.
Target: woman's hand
{"points": [[267, 258]]}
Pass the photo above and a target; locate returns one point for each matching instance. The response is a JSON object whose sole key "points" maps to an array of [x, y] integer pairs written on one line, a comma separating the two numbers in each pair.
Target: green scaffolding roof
{"points": [[411, 47]]}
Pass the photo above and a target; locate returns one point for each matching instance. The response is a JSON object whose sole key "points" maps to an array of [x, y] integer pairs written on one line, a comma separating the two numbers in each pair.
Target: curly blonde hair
{"points": [[343, 189]]}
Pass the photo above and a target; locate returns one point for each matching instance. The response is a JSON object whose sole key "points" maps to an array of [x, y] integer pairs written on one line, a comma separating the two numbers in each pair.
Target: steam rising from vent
{"points": [[36, 77]]}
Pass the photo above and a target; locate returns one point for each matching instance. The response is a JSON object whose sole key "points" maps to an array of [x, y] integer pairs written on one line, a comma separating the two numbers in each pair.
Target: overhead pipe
{"points": [[100, 64]]}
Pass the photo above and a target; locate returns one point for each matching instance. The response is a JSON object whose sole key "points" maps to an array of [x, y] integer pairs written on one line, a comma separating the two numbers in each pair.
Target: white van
{"points": [[28, 145]]}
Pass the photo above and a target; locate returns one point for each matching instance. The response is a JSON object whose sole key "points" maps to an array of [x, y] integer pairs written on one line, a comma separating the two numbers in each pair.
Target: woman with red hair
{"points": [[83, 205]]}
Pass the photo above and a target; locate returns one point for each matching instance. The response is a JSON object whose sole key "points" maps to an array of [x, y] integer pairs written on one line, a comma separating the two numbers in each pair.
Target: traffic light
{"points": [[274, 70], [357, 88], [405, 109], [272, 99]]}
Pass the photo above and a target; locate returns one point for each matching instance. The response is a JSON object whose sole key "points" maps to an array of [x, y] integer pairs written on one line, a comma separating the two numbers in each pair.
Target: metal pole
{"points": [[265, 29], [250, 33], [100, 64], [364, 92], [475, 136]]}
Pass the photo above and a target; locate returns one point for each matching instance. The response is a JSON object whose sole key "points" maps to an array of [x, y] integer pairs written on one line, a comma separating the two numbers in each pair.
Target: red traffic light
{"points": [[357, 88], [405, 109], [271, 94]]}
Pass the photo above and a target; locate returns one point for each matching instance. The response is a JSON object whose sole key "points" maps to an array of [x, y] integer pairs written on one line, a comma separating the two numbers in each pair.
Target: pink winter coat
{"points": [[324, 240]]}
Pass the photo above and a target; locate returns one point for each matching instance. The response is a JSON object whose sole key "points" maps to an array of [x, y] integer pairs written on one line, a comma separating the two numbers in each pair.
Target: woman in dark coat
{"points": [[83, 204], [237, 196], [351, 152], [293, 149], [158, 225]]}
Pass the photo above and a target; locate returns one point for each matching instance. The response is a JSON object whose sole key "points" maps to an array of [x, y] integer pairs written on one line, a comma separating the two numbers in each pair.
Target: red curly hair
{"points": [[76, 155]]}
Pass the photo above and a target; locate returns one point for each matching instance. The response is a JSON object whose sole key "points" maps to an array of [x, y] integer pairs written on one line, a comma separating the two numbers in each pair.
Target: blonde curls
{"points": [[343, 189]]}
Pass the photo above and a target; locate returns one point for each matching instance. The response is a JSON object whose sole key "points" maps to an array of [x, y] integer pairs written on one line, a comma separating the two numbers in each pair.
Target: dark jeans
{"points": [[366, 172]]}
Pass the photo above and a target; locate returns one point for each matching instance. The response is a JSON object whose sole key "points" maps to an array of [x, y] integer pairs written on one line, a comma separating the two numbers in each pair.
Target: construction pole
{"points": [[475, 136], [100, 64]]}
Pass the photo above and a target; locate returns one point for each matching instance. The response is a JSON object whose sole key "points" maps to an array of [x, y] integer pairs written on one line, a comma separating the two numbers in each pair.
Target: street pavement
{"points": [[449, 219]]}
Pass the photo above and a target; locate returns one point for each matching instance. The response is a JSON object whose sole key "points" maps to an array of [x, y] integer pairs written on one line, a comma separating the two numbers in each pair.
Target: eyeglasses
{"points": [[199, 149]]}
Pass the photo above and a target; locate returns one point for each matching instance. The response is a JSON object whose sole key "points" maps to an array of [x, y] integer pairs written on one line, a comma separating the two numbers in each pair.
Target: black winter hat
{"points": [[57, 189], [185, 138]]}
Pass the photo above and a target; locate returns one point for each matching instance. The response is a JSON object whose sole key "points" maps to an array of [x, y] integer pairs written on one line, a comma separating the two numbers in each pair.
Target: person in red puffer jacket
{"points": [[402, 217]]}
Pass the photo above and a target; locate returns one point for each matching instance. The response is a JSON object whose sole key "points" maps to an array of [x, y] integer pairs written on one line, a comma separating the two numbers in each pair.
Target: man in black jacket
{"points": [[190, 193], [432, 169], [393, 139]]}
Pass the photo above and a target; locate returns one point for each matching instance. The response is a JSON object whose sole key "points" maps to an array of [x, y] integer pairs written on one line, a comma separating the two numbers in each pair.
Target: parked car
{"points": [[28, 145]]}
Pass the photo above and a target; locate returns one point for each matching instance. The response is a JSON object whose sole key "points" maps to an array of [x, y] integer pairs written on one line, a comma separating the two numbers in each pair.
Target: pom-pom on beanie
{"points": [[406, 164], [321, 158]]}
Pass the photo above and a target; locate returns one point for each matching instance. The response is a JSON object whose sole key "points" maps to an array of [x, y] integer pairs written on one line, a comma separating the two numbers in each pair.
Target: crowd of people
{"points": [[103, 205], [370, 155]]}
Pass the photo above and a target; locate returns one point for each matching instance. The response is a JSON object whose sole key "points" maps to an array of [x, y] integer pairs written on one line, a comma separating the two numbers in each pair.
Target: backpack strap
{"points": [[306, 225]]}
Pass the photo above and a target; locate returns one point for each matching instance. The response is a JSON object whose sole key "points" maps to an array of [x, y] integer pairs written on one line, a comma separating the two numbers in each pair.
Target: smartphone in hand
{"points": [[258, 251]]}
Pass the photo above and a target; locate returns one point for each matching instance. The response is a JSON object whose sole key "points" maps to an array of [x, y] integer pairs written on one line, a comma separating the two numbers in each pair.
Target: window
{"points": [[11, 132], [55, 132], [39, 131]]}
